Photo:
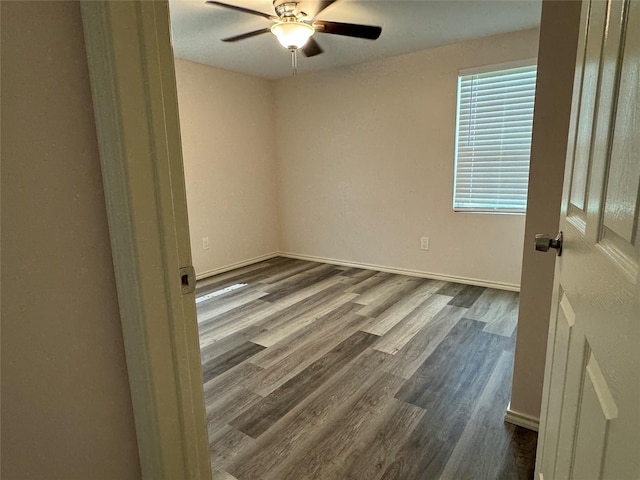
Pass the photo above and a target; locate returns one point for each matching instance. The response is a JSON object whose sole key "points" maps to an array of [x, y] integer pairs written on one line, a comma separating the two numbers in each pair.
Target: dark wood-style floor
{"points": [[315, 371]]}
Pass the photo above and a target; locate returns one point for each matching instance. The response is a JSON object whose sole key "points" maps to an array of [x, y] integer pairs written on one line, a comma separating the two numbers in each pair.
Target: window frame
{"points": [[527, 62]]}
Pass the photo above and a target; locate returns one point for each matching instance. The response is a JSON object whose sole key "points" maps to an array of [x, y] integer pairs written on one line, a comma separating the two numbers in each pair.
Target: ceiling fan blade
{"points": [[242, 9], [348, 29], [246, 35], [324, 4], [311, 48]]}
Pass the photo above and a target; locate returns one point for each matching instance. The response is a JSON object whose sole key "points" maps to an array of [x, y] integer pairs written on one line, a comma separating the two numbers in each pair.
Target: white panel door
{"points": [[590, 423]]}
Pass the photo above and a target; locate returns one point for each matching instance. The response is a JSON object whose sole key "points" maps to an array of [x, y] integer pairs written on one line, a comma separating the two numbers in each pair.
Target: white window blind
{"points": [[493, 140]]}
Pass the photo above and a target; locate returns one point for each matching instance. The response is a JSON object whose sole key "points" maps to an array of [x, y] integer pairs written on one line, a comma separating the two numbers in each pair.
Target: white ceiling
{"points": [[407, 26]]}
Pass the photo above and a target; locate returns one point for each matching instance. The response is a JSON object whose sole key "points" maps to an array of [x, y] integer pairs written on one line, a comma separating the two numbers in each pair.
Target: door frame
{"points": [[132, 74]]}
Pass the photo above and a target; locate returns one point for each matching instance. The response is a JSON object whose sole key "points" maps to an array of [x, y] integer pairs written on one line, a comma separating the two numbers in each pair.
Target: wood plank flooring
{"points": [[315, 371]]}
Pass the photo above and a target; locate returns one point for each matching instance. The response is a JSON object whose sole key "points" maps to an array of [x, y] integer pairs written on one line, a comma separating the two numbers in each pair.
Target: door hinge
{"points": [[188, 279]]}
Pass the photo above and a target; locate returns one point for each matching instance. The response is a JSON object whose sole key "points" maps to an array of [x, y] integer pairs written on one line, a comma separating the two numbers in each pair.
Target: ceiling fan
{"points": [[294, 29]]}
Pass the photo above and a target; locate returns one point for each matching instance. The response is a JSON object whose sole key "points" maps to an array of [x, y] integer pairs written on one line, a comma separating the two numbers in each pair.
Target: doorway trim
{"points": [[132, 76]]}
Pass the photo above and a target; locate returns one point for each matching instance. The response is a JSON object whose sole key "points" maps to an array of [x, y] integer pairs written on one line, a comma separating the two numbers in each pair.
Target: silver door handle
{"points": [[544, 242]]}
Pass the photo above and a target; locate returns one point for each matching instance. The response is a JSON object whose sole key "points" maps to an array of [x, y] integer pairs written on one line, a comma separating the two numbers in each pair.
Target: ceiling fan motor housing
{"points": [[288, 11]]}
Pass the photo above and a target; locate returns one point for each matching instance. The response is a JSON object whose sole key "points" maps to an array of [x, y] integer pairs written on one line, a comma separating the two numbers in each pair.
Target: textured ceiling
{"points": [[407, 26]]}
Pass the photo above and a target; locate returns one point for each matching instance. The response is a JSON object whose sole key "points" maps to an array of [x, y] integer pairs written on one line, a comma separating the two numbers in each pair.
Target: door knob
{"points": [[544, 242]]}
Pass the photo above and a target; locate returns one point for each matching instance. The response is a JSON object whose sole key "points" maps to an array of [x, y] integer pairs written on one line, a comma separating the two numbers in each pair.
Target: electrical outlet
{"points": [[205, 243], [424, 243]]}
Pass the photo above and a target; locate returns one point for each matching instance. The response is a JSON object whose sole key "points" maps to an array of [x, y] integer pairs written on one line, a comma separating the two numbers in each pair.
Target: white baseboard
{"points": [[402, 271], [522, 419], [367, 266], [233, 266]]}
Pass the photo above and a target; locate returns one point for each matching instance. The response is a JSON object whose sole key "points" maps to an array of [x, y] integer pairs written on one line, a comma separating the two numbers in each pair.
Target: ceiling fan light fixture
{"points": [[292, 35]]}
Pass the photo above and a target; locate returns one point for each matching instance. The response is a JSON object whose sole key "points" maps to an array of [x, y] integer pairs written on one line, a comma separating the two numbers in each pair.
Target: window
{"points": [[493, 138]]}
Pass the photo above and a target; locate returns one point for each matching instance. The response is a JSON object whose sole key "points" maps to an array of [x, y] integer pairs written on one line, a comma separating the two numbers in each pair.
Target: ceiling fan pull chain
{"points": [[294, 60]]}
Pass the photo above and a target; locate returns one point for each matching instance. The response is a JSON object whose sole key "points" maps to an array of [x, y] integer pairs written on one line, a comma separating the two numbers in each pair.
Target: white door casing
{"points": [[590, 422], [133, 87]]}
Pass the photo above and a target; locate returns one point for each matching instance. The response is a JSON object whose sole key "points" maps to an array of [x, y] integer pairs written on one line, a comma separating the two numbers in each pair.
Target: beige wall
{"points": [[66, 406], [366, 165], [230, 164], [558, 36]]}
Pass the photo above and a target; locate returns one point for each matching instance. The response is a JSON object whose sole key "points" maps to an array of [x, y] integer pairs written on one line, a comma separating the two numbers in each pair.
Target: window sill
{"points": [[489, 212]]}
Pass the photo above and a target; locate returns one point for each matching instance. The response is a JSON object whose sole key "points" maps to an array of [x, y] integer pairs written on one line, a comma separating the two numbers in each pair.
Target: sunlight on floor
{"points": [[217, 293]]}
